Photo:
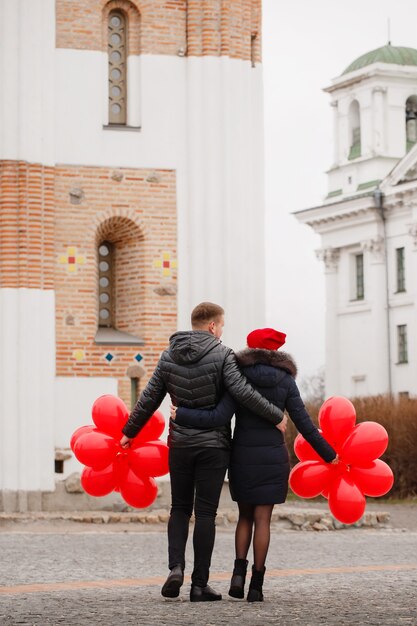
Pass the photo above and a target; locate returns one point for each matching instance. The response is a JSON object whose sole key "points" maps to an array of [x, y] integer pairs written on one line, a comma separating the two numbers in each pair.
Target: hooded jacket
{"points": [[259, 464], [196, 370]]}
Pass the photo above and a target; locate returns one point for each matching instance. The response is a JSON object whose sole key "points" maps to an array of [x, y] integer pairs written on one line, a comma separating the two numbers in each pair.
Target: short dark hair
{"points": [[205, 312]]}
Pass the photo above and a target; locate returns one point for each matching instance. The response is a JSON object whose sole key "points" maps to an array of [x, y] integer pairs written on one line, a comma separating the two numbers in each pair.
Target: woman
{"points": [[259, 465]]}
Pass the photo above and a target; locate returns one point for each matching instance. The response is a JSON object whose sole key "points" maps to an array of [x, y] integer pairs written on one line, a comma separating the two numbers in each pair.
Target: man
{"points": [[195, 371]]}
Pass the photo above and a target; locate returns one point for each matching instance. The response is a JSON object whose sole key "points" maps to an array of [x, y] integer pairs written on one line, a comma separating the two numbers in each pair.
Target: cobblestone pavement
{"points": [[108, 576]]}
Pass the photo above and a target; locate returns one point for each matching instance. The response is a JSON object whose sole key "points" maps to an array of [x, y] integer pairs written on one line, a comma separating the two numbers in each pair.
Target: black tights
{"points": [[258, 518]]}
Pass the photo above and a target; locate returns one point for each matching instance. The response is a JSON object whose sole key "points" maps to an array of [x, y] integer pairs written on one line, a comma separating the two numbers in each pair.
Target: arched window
{"points": [[354, 130], [105, 285], [120, 282], [411, 121], [117, 51]]}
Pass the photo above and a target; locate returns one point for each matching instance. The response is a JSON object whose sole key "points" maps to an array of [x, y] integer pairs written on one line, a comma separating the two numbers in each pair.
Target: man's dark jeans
{"points": [[195, 472]]}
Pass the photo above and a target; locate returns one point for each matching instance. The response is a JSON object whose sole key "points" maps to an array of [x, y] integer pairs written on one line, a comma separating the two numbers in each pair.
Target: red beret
{"points": [[266, 338]]}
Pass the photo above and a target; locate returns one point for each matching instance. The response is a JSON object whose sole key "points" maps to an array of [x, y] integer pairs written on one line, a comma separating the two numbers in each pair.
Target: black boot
{"points": [[237, 583], [204, 594], [171, 588], [255, 587]]}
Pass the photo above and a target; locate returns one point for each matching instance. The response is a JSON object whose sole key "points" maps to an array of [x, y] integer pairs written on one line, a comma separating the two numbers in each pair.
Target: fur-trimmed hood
{"points": [[273, 358]]}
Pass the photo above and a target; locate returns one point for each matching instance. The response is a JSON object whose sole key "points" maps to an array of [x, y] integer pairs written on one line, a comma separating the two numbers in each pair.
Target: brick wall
{"points": [[139, 217], [26, 225], [211, 27]]}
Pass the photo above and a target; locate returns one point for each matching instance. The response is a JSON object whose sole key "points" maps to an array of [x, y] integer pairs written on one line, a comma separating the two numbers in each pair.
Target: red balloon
{"points": [[337, 418], [304, 451], [346, 500], [150, 459], [98, 483], [138, 492], [374, 480], [152, 430], [77, 433], [110, 414], [366, 443], [309, 478], [95, 449]]}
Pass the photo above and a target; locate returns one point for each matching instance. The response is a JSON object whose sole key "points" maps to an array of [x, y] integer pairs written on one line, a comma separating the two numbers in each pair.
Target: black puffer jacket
{"points": [[195, 371], [259, 465]]}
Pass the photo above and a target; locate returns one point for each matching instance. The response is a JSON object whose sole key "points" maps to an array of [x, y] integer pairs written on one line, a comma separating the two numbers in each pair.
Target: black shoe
{"points": [[237, 583], [171, 588], [204, 594], [255, 587]]}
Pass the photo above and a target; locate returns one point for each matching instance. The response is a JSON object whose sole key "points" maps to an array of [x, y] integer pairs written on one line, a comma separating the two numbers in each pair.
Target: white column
{"points": [[27, 373], [330, 257], [378, 120], [336, 155], [375, 293], [225, 191]]}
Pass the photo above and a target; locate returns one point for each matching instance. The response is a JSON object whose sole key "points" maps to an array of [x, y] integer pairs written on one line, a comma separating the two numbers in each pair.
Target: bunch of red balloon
{"points": [[359, 472], [112, 468]]}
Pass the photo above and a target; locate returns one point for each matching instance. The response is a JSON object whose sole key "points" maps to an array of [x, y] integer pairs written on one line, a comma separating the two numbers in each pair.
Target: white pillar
{"points": [[378, 120], [330, 257], [225, 191], [375, 293], [27, 375], [336, 156]]}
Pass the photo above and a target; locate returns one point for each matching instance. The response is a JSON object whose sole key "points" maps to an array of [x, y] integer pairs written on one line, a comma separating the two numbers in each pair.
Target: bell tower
{"points": [[374, 104]]}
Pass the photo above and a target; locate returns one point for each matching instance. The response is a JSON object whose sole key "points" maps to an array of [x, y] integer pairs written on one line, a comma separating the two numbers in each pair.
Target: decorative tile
{"points": [[72, 260], [165, 263], [78, 355], [138, 357], [109, 357]]}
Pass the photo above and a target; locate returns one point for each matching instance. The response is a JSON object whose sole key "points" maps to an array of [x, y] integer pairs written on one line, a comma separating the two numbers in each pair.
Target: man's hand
{"points": [[173, 412], [282, 426], [125, 441]]}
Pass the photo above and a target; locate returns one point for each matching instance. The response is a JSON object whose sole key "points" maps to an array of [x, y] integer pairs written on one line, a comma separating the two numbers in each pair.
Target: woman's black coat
{"points": [[259, 465]]}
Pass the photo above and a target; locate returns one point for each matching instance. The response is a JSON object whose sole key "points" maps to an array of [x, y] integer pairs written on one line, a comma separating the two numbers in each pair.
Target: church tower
{"points": [[368, 227], [131, 180]]}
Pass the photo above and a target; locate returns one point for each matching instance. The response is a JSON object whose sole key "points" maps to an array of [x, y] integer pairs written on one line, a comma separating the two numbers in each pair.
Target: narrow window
{"points": [[355, 130], [411, 121], [402, 343], [117, 50], [360, 284], [105, 285], [400, 269]]}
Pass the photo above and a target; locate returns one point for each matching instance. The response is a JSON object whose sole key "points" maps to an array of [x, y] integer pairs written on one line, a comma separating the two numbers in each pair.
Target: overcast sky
{"points": [[305, 45]]}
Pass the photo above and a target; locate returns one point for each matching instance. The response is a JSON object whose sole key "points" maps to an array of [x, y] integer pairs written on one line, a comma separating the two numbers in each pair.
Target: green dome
{"points": [[387, 54]]}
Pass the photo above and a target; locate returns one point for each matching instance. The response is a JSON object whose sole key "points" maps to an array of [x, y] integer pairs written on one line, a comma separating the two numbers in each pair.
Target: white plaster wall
{"points": [[27, 36], [27, 369]]}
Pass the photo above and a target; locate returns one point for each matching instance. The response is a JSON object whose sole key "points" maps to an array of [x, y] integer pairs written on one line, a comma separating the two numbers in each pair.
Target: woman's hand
{"points": [[335, 460], [173, 412]]}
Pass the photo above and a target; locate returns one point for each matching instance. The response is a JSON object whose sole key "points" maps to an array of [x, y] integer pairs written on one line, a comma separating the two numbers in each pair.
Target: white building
{"points": [[368, 226], [131, 179]]}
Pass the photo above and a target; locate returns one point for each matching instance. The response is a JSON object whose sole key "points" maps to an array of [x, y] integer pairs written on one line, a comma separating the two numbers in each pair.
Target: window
{"points": [[402, 343], [360, 285], [400, 269], [117, 51], [355, 130], [105, 285], [411, 121]]}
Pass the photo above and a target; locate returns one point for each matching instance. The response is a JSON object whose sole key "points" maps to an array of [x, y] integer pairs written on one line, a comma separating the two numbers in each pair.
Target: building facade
{"points": [[368, 226], [131, 181]]}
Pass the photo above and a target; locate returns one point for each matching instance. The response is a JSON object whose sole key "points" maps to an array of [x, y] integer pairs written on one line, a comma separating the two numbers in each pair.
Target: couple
{"points": [[206, 384]]}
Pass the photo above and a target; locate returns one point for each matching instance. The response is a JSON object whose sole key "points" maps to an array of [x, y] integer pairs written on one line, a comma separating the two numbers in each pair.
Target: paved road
{"points": [[84, 575]]}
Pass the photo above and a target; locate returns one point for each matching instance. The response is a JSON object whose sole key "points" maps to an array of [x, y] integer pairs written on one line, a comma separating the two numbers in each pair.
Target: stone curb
{"points": [[290, 519]]}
